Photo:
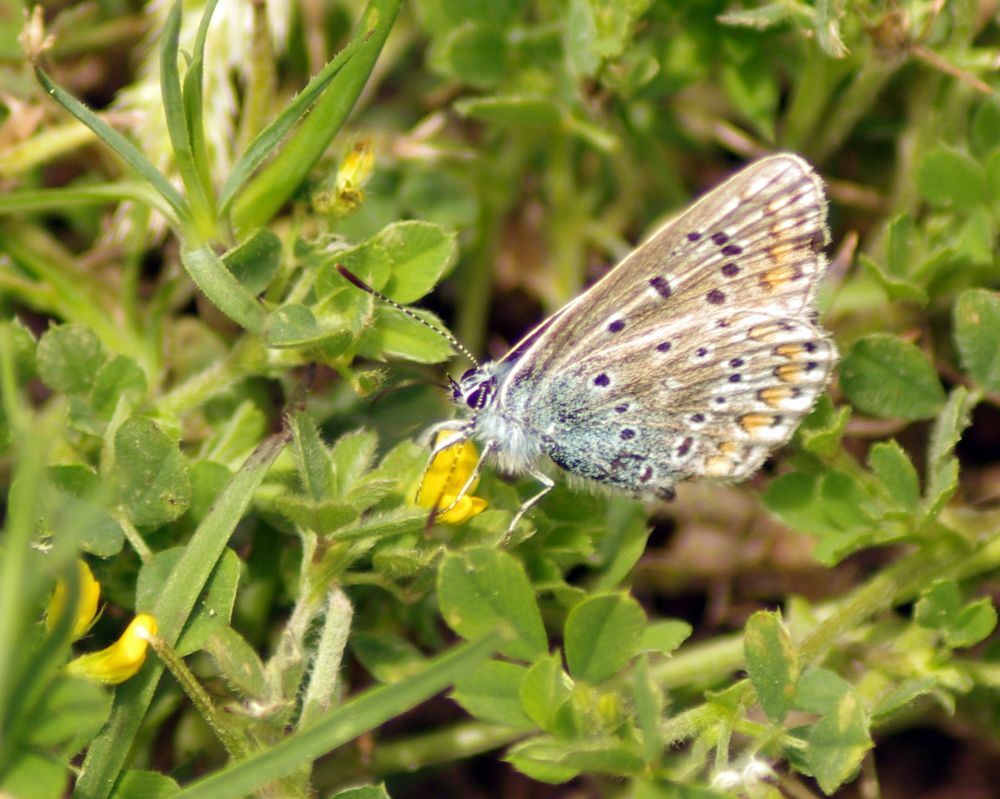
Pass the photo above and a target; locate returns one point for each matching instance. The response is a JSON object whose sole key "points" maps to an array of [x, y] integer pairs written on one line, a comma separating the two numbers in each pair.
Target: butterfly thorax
{"points": [[475, 393]]}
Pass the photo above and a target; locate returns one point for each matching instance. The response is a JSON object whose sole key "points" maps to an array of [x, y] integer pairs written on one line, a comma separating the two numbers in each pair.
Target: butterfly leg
{"points": [[547, 485], [455, 425]]}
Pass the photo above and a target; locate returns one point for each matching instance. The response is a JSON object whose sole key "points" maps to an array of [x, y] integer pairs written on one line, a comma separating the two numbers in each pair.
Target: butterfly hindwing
{"points": [[714, 405]]}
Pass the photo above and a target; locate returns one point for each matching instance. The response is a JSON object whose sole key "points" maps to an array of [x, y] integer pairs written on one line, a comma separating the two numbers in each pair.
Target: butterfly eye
{"points": [[467, 374], [480, 396]]}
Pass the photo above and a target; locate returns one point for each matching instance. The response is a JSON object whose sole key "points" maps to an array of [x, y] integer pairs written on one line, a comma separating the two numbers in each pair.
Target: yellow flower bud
{"points": [[348, 189], [122, 659], [85, 612], [444, 479]]}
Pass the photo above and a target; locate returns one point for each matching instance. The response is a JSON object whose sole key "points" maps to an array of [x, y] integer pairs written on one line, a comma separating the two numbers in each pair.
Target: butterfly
{"points": [[695, 357]]}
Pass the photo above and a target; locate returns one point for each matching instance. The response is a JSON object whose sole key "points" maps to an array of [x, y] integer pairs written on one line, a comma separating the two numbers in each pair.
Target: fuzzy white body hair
{"points": [[516, 452]]}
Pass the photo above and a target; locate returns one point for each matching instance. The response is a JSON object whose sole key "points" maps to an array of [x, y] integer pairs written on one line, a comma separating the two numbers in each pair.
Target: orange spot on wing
{"points": [[790, 372], [785, 273], [753, 423], [775, 395]]}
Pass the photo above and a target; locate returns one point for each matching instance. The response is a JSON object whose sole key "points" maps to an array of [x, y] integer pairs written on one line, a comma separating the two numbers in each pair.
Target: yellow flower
{"points": [[445, 477], [348, 191], [85, 613], [120, 660]]}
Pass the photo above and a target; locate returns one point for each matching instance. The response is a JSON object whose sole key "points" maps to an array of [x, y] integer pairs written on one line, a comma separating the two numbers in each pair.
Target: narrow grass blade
{"points": [[268, 139], [127, 151], [344, 724], [276, 182], [107, 754], [179, 126]]}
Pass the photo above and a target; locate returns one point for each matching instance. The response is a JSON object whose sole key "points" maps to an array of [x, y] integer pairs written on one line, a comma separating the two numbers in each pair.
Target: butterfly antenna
{"points": [[357, 281]]}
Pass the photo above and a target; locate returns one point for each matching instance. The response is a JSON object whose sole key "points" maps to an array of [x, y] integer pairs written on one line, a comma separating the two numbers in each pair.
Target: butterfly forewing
{"points": [[754, 241]]}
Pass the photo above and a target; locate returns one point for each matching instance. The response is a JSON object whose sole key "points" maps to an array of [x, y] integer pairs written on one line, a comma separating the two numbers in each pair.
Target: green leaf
{"points": [[977, 331], [399, 336], [311, 458], [752, 88], [323, 517], [33, 775], [893, 468], [900, 246], [145, 785], [556, 761], [419, 253], [69, 357], [545, 689], [150, 472], [71, 710], [352, 457], [120, 376], [886, 376], [772, 662], [975, 623], [255, 261], [388, 658], [837, 743], [237, 661], [993, 172], [975, 238], [940, 608], [664, 636], [942, 465], [474, 54], [938, 605], [492, 693], [439, 197], [832, 506], [514, 110], [648, 699], [761, 18], [222, 289], [902, 695], [481, 590], [823, 428], [294, 325], [363, 792], [950, 177], [984, 136], [603, 633], [896, 288], [291, 325], [80, 491], [581, 33], [215, 606]]}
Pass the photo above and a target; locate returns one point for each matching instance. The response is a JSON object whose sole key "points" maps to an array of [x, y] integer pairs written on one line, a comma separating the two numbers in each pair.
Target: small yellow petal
{"points": [[122, 659], [464, 509], [445, 477], [86, 606]]}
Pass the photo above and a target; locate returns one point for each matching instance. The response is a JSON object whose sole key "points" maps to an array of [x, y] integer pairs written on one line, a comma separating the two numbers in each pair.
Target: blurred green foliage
{"points": [[195, 399]]}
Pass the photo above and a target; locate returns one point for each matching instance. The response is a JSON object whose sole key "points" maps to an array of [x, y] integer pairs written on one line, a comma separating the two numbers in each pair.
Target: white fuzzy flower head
{"points": [[727, 780]]}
